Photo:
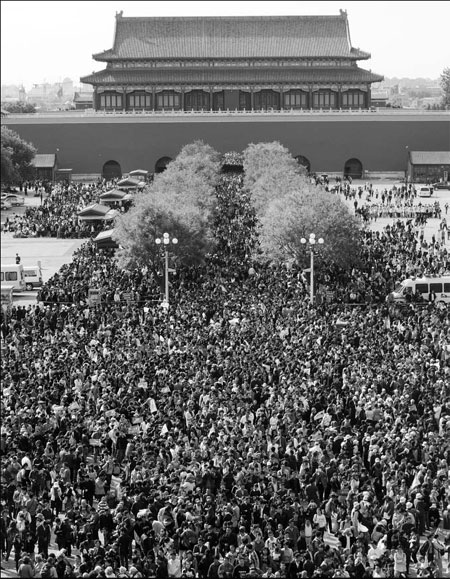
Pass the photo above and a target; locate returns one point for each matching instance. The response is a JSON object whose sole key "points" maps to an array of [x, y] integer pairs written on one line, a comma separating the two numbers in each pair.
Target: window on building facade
{"points": [[267, 99], [324, 99], [168, 100], [110, 101], [296, 100], [353, 99], [140, 100], [196, 100], [218, 101], [245, 101]]}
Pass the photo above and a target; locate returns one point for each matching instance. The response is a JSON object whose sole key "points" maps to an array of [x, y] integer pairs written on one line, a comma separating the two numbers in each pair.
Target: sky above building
{"points": [[47, 41]]}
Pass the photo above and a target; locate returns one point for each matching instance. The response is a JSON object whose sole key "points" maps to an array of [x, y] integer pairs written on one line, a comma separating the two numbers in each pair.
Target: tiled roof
{"points": [[44, 161], [83, 96], [216, 75], [430, 157], [232, 37], [115, 194], [95, 209]]}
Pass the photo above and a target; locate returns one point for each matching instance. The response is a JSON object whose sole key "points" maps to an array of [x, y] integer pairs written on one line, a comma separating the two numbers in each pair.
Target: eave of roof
{"points": [[246, 76], [430, 157], [43, 160]]}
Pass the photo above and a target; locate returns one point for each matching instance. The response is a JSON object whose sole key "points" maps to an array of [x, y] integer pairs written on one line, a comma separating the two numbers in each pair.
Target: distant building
{"points": [[68, 88], [42, 92], [428, 166], [83, 100], [45, 166], [380, 98], [244, 63], [12, 93]]}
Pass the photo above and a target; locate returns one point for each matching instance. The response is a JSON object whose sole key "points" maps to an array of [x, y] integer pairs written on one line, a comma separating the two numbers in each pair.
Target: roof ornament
{"points": [[342, 12], [119, 14]]}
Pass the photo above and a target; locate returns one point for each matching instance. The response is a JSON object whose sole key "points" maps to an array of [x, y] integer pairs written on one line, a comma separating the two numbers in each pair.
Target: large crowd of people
{"points": [[57, 213], [241, 433]]}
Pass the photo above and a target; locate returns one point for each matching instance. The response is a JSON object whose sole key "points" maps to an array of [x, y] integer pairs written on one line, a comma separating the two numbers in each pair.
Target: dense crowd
{"points": [[243, 433], [57, 214]]}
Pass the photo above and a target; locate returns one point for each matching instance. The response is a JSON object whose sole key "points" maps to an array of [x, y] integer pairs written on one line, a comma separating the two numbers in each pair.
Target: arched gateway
{"points": [[111, 170], [353, 168], [161, 164]]}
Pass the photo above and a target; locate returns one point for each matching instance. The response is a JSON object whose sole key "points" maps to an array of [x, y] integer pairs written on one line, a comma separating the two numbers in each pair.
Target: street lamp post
{"points": [[312, 242], [166, 241]]}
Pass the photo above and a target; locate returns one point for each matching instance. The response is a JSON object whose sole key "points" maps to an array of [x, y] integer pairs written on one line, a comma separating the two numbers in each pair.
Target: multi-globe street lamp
{"points": [[166, 241], [312, 243]]}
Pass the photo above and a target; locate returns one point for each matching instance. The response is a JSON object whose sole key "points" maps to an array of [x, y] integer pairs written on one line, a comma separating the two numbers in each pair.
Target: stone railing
{"points": [[227, 112]]}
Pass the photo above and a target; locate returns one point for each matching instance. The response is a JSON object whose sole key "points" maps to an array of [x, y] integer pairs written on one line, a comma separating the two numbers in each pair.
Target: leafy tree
{"points": [[270, 172], [137, 230], [445, 84], [290, 207], [312, 210], [19, 107], [16, 157], [179, 201]]}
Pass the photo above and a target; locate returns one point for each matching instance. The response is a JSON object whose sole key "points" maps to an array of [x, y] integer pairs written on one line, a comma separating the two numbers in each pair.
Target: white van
{"points": [[13, 275], [33, 276], [440, 285]]}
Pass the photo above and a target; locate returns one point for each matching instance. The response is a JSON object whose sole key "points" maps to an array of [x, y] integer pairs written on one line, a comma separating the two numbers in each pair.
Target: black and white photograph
{"points": [[225, 289]]}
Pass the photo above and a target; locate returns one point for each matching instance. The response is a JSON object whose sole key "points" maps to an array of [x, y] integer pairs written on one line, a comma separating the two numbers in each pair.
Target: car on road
{"points": [[425, 191], [13, 200], [441, 185], [4, 205]]}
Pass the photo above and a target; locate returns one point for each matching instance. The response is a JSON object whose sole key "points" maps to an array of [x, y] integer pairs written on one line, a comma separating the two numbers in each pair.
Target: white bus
{"points": [[423, 286], [13, 274]]}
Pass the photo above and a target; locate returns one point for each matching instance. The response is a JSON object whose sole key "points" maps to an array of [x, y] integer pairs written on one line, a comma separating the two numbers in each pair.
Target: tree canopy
{"points": [[235, 219], [19, 107], [16, 157], [289, 207], [180, 201], [270, 171], [297, 215]]}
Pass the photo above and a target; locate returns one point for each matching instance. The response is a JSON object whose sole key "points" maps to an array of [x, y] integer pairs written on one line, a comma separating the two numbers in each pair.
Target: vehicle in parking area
{"points": [[13, 200], [4, 205], [33, 276], [425, 191], [442, 185], [12, 274]]}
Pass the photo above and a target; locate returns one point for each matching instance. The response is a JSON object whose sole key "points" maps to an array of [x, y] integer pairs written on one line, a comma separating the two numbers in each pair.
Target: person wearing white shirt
{"points": [[174, 565]]}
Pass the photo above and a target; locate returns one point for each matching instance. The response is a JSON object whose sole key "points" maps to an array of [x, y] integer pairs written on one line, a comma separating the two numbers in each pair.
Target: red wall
{"points": [[86, 144]]}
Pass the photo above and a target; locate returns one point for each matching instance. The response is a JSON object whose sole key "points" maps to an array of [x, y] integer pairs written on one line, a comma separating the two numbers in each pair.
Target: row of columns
{"points": [[252, 97]]}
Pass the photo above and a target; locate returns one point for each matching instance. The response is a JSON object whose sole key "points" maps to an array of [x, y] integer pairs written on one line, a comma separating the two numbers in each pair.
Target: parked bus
{"points": [[13, 274], [425, 287]]}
